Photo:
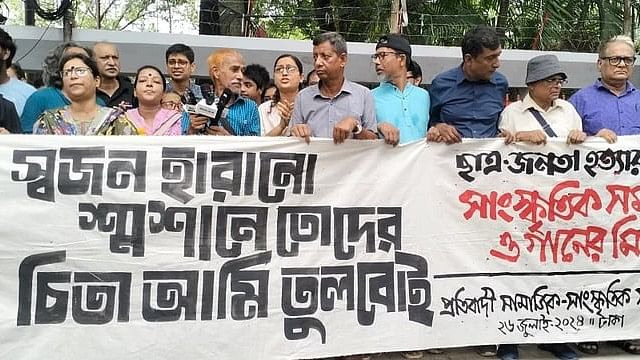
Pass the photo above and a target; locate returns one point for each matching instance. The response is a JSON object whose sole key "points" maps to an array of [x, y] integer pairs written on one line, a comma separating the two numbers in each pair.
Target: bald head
{"points": [[108, 60], [226, 68]]}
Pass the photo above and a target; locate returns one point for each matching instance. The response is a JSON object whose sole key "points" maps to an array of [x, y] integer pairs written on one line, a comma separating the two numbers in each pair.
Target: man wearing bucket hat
{"points": [[541, 114], [402, 109]]}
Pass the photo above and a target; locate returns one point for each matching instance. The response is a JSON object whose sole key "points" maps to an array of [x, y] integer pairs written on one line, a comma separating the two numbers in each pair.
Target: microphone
{"points": [[226, 96], [214, 109]]}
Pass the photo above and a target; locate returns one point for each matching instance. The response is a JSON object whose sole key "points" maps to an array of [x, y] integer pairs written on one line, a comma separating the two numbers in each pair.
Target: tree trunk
{"points": [[503, 16], [627, 19], [394, 18], [602, 17], [29, 13], [209, 22], [324, 15]]}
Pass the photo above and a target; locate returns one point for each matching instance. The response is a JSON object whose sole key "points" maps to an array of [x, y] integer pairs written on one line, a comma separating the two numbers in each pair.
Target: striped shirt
{"points": [[243, 117]]}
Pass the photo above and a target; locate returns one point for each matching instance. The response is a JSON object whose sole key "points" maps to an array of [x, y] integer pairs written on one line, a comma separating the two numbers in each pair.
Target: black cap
{"points": [[396, 42]]}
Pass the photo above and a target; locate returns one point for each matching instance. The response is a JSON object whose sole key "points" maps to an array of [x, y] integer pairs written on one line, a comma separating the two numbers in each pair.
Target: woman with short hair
{"points": [[83, 116]]}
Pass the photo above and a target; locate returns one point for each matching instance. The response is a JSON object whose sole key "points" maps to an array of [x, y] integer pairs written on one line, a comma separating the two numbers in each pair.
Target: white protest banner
{"points": [[226, 248]]}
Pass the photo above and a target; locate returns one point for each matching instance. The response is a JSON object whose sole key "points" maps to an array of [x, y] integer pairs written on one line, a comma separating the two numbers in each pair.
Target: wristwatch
{"points": [[358, 129]]}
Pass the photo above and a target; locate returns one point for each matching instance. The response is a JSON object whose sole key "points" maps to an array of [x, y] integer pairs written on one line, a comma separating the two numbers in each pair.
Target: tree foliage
{"points": [[571, 25], [141, 15], [357, 20]]}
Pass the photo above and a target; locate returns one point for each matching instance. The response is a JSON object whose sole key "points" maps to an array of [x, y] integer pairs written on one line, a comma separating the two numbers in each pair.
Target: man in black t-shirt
{"points": [[9, 120]]}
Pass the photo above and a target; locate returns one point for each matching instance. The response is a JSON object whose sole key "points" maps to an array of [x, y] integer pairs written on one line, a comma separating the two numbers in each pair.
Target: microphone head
{"points": [[210, 99], [225, 97]]}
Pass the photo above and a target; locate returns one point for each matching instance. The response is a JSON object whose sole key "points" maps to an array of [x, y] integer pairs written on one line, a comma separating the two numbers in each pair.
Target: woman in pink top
{"points": [[149, 88]]}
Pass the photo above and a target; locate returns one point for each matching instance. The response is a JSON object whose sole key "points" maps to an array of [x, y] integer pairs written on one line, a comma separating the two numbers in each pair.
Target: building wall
{"points": [[137, 48]]}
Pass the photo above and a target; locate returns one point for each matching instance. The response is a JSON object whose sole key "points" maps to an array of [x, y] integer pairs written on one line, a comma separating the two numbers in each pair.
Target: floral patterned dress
{"points": [[107, 121]]}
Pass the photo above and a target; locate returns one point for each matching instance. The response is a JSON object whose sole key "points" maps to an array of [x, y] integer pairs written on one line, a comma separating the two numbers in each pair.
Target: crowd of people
{"points": [[85, 94]]}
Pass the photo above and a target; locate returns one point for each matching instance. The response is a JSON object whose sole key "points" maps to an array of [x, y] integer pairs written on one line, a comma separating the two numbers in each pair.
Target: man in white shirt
{"points": [[542, 113]]}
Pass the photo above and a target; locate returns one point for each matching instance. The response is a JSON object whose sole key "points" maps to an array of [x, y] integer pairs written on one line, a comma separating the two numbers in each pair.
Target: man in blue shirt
{"points": [[402, 109], [608, 108], [611, 106], [241, 115], [466, 101]]}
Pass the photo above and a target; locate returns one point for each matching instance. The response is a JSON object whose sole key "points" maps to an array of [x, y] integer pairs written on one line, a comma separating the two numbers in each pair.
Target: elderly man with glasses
{"points": [[541, 113], [611, 106], [402, 109]]}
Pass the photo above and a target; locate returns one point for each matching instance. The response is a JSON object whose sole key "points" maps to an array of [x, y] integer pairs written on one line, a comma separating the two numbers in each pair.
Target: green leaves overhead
{"points": [[571, 25]]}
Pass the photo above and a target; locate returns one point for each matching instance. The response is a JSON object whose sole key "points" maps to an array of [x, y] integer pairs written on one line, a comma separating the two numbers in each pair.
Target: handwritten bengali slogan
{"points": [[261, 248]]}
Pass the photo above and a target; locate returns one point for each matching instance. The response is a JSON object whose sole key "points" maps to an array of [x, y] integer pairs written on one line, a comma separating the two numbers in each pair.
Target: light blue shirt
{"points": [[17, 92], [407, 110]]}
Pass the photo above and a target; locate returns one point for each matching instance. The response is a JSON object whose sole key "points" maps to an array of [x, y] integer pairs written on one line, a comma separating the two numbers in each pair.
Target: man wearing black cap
{"points": [[541, 113], [402, 109]]}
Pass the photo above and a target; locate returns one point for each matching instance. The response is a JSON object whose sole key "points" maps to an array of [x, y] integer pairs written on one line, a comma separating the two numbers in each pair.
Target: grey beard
{"points": [[382, 77]]}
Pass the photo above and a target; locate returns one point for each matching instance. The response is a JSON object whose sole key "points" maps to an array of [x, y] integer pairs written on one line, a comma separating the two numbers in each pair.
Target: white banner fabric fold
{"points": [[259, 248]]}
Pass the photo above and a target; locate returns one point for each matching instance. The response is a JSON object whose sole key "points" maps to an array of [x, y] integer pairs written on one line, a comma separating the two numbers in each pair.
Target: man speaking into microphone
{"points": [[239, 116]]}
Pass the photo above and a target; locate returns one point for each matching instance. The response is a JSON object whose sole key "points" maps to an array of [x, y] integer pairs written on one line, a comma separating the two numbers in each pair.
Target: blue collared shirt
{"points": [[472, 107], [407, 110], [600, 109], [244, 118]]}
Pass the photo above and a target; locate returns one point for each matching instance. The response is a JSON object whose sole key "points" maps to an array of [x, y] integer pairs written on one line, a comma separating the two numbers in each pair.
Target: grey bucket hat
{"points": [[542, 67]]}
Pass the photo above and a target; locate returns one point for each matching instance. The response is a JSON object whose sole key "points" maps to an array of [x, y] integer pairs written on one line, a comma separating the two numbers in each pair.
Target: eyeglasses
{"points": [[179, 62], [554, 81], [171, 104], [287, 68], [77, 71], [615, 60], [382, 54]]}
